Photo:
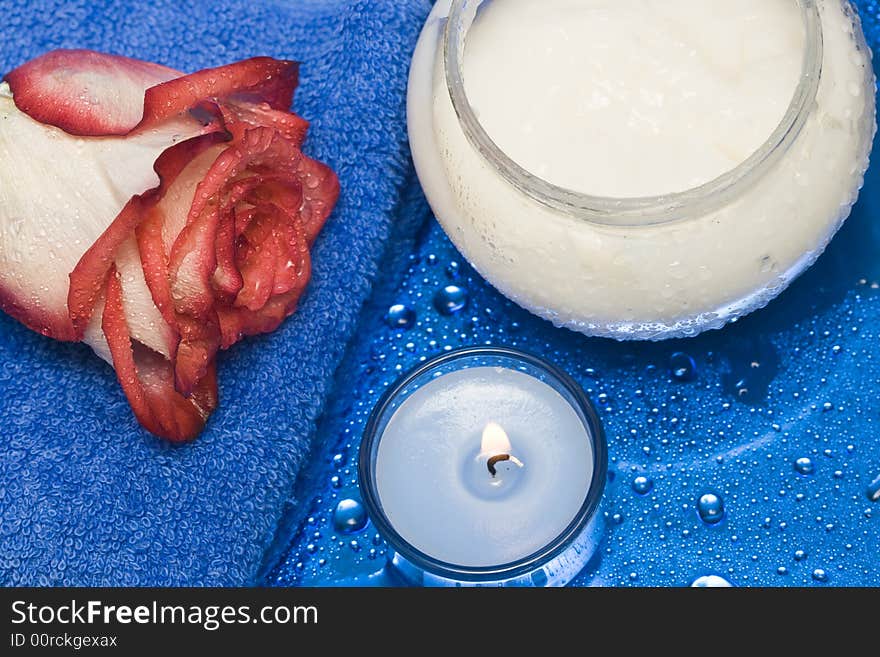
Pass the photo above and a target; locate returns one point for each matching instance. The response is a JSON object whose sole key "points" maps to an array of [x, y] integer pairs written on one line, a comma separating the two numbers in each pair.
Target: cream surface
{"points": [[622, 98]]}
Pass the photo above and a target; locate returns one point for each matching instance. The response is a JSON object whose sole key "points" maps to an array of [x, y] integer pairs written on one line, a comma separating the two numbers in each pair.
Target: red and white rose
{"points": [[157, 216]]}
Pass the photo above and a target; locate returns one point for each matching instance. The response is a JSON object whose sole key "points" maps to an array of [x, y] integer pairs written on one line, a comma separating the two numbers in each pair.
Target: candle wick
{"points": [[497, 459]]}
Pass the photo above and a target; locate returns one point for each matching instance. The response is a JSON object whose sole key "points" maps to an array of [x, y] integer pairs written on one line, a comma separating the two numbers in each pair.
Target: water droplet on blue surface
{"points": [[349, 516], [710, 507], [804, 466], [682, 366], [711, 582], [820, 575], [874, 490], [617, 519], [451, 299], [400, 316], [642, 485], [539, 578]]}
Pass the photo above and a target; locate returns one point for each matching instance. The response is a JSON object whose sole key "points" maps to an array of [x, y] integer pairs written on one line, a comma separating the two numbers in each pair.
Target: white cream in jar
{"points": [[673, 164]]}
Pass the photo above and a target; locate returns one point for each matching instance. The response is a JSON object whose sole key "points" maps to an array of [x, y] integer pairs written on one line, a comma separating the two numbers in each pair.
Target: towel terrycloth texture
{"points": [[86, 496]]}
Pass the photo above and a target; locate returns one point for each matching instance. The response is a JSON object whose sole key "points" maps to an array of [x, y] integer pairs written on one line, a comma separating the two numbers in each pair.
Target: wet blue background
{"points": [[797, 380]]}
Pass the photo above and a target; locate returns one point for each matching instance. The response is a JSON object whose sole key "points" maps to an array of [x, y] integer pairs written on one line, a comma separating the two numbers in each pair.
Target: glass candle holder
{"points": [[485, 466], [641, 170]]}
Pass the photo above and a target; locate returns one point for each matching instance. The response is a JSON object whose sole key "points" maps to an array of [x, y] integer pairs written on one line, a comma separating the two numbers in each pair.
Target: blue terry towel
{"points": [[86, 496]]}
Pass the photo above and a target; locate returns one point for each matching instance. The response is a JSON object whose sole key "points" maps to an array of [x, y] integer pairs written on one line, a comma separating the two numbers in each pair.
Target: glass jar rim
{"points": [[644, 210], [369, 489]]}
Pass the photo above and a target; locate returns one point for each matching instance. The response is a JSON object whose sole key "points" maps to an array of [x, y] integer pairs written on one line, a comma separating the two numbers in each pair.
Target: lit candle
{"points": [[495, 448], [481, 461]]}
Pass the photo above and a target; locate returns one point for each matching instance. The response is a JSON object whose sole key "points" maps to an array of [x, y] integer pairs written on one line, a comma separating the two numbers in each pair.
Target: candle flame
{"points": [[495, 440]]}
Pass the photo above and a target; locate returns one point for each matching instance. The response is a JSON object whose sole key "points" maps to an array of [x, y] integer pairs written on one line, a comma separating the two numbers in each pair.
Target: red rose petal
{"points": [[257, 262], [180, 170], [146, 324], [87, 278], [227, 280], [59, 194], [193, 259], [93, 94], [271, 258], [55, 325], [248, 115], [84, 92], [257, 80], [193, 300], [236, 323], [320, 193], [200, 340], [148, 381]]}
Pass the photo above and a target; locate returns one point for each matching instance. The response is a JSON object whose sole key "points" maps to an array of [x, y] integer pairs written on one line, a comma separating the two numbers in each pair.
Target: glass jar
{"points": [[649, 266]]}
